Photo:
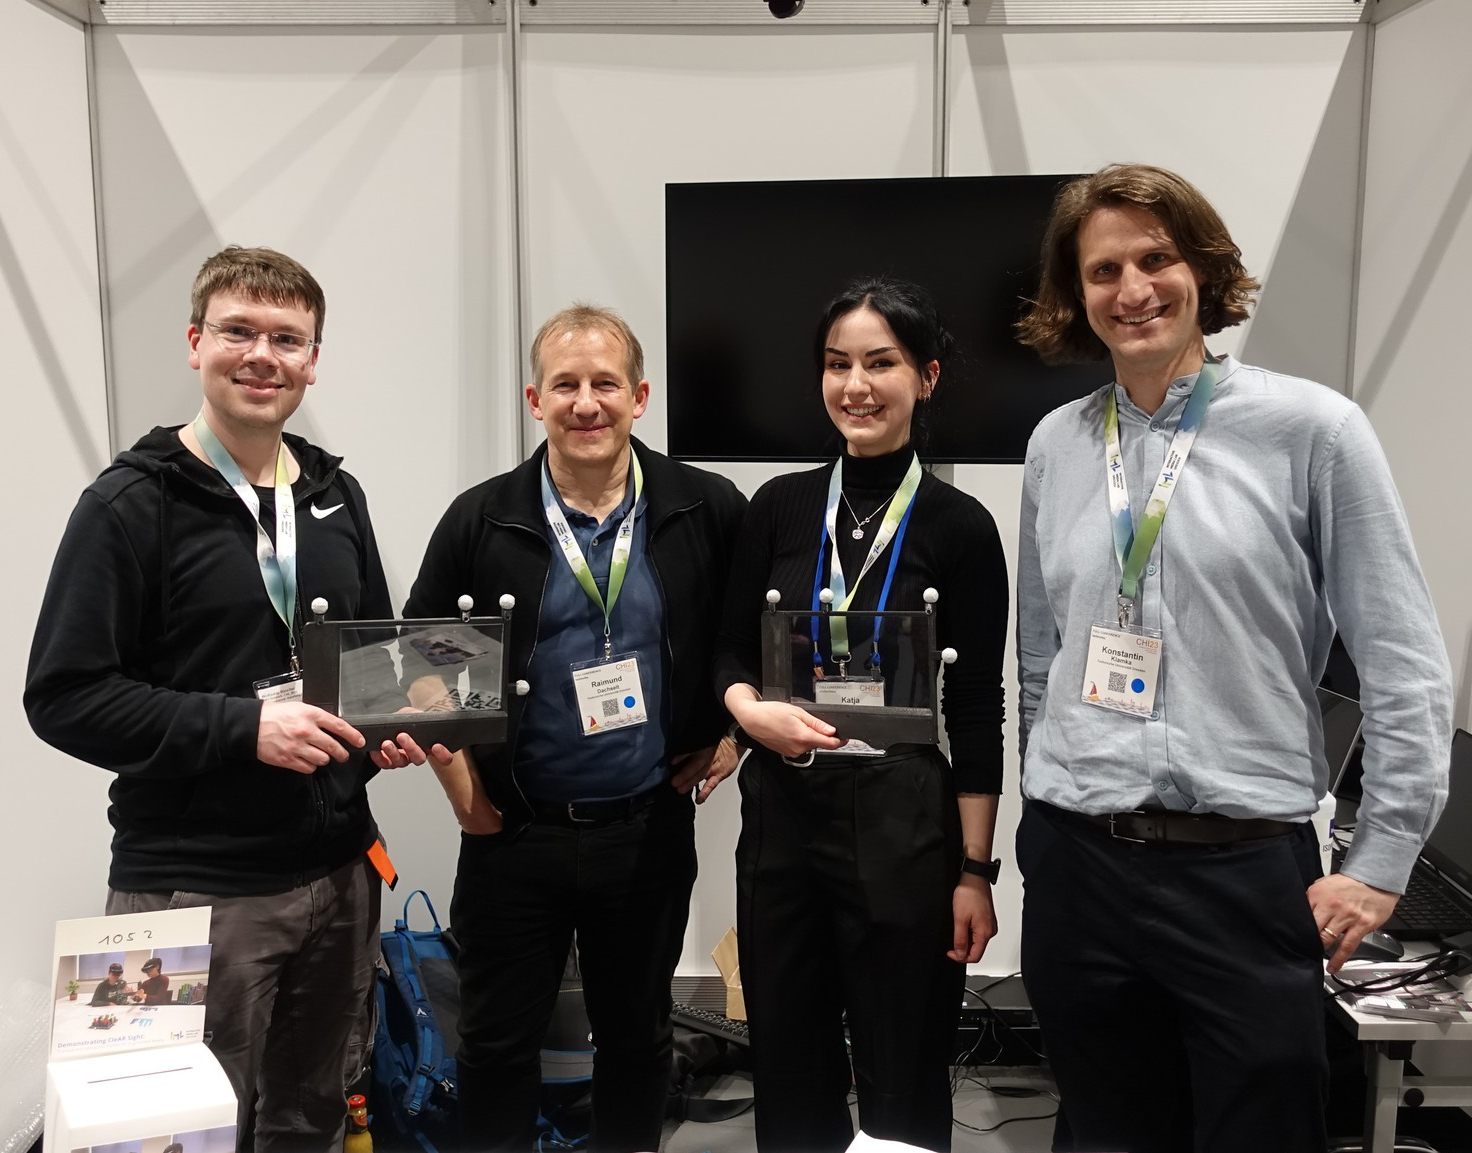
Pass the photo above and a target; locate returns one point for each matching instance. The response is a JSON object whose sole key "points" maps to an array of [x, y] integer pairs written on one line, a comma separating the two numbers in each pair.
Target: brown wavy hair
{"points": [[1055, 323], [257, 274]]}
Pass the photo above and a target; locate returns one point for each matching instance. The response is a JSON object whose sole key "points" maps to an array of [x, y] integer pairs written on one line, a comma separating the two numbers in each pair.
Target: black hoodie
{"points": [[155, 626]]}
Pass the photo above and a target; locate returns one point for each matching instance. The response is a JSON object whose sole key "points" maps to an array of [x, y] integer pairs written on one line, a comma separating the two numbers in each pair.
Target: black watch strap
{"points": [[988, 871]]}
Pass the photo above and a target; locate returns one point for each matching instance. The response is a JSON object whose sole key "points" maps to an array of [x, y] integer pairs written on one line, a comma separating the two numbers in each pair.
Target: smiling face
{"points": [[247, 391], [586, 400], [1141, 297], [871, 383]]}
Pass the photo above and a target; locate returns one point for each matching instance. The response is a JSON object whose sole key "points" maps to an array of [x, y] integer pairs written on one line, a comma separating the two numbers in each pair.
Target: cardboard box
{"points": [[727, 961]]}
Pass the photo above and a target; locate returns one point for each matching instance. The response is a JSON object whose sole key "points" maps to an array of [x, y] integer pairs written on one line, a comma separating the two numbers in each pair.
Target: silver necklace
{"points": [[858, 533]]}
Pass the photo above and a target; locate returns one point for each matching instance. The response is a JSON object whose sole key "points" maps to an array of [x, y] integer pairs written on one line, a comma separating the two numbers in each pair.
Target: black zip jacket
{"points": [[493, 540], [154, 627]]}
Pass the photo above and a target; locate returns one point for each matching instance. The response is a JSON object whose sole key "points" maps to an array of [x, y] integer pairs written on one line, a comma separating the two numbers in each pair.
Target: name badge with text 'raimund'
{"points": [[610, 694]]}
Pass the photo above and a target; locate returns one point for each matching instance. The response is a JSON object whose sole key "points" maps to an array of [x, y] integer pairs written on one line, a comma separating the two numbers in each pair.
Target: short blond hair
{"points": [[577, 318]]}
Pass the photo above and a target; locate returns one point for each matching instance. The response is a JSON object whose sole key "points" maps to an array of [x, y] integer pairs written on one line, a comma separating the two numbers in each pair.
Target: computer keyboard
{"points": [[707, 1021], [1427, 910]]}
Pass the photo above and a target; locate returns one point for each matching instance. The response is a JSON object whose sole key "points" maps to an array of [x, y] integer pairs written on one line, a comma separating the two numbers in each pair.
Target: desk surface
{"points": [[1373, 1027]]}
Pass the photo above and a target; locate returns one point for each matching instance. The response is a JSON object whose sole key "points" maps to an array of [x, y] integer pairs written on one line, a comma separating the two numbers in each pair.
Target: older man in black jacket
{"points": [[582, 821]]}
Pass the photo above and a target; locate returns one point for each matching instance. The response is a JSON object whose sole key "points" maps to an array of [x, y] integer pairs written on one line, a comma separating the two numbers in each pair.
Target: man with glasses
{"points": [[166, 653]]}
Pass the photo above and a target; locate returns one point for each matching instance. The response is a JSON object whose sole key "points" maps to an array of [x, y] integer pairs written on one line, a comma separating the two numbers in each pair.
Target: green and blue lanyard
{"points": [[618, 565], [892, 528], [1132, 546]]}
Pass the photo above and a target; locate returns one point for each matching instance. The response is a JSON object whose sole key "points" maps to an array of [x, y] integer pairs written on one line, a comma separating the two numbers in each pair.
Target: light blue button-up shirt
{"points": [[1284, 522]]}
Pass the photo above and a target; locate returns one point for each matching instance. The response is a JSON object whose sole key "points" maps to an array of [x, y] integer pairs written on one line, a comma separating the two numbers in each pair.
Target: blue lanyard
{"points": [[894, 557]]}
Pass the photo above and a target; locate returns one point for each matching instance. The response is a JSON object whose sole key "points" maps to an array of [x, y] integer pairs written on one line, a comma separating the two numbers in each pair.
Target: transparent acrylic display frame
{"points": [[452, 669], [910, 664]]}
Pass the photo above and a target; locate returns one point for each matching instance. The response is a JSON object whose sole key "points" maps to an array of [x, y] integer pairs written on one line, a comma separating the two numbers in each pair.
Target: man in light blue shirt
{"points": [[1175, 916]]}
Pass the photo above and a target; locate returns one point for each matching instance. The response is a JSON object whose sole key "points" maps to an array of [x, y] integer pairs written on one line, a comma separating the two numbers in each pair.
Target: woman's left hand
{"points": [[974, 921]]}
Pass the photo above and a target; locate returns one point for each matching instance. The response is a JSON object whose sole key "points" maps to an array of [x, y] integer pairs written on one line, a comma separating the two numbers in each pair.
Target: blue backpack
{"points": [[416, 1038]]}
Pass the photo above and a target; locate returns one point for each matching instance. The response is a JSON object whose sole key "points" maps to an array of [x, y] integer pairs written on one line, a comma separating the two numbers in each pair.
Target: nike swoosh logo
{"points": [[320, 513]]}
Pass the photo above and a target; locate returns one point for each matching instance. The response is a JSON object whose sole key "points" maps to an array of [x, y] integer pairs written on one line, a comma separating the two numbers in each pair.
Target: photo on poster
{"points": [[217, 1140], [130, 982]]}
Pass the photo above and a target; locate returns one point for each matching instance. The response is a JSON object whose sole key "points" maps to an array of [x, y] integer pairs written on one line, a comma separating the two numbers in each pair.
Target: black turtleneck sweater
{"points": [[950, 544]]}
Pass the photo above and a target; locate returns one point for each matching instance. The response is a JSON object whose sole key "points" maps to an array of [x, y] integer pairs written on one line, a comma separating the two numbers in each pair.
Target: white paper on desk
{"points": [[863, 1143], [85, 949]]}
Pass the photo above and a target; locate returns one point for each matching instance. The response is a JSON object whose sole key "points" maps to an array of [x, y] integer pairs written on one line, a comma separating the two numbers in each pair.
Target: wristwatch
{"points": [[986, 870]]}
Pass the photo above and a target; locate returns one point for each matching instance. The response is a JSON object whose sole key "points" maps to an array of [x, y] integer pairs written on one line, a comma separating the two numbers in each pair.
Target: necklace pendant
{"points": [[858, 533]]}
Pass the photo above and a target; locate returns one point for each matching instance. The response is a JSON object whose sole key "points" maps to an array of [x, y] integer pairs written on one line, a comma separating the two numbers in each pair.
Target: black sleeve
{"points": [[972, 619], [738, 646], [375, 602], [444, 573], [82, 695]]}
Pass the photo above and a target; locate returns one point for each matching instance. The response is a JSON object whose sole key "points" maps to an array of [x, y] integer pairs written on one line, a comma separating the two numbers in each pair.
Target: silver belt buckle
{"points": [[1121, 837], [575, 819]]}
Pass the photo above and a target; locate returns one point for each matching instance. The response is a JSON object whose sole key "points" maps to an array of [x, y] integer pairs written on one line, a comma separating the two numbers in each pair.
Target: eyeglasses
{"points": [[242, 338]]}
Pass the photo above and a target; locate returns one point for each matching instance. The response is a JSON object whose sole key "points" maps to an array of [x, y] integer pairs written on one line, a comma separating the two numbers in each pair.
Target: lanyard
{"points": [[278, 561], [896, 518], [1132, 547], [573, 554]]}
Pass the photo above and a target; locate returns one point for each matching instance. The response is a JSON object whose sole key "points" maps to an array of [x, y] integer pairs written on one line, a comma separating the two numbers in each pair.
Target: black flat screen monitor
{"points": [[751, 266], [1449, 847]]}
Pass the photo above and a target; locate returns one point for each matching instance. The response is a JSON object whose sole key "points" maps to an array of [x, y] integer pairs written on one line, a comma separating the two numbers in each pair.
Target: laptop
{"points": [[1438, 900], [1343, 725]]}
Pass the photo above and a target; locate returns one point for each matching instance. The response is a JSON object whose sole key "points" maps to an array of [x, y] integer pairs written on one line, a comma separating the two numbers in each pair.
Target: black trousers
{"points": [[845, 873], [625, 888], [1179, 990]]}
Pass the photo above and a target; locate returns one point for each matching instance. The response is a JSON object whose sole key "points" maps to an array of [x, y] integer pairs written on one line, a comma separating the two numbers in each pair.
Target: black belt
{"points": [[592, 814], [1166, 827]]}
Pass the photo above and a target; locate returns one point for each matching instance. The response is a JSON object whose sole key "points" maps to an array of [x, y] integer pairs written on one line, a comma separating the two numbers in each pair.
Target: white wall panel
{"points": [[55, 848], [379, 160], [1412, 319], [1265, 122], [611, 115]]}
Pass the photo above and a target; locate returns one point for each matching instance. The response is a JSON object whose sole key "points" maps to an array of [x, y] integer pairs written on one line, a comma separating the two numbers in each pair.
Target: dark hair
{"points": [[1055, 323], [911, 314]]}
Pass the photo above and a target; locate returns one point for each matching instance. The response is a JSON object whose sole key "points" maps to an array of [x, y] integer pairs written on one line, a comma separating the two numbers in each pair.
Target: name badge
{"points": [[610, 694], [286, 687], [1122, 669], [862, 691]]}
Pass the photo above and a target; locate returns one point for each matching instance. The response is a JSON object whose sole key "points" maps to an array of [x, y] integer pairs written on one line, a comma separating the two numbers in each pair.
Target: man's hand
{"points": [[706, 767], [404, 750], [1345, 910], [974, 920], [301, 737]]}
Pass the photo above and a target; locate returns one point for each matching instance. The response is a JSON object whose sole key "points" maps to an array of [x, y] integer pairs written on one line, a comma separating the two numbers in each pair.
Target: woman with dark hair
{"points": [[864, 880]]}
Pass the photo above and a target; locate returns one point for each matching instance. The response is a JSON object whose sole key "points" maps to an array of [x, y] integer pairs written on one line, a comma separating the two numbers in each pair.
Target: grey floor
{"points": [[976, 1106]]}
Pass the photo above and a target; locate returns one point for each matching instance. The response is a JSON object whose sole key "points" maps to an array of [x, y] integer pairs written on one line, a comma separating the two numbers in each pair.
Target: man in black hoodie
{"points": [[166, 653]]}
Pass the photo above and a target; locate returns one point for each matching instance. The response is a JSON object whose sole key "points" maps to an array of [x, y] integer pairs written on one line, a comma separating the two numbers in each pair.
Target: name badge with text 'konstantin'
{"points": [[1122, 669]]}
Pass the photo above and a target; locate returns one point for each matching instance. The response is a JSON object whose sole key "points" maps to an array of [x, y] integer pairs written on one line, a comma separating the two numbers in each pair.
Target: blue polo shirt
{"points": [[553, 760]]}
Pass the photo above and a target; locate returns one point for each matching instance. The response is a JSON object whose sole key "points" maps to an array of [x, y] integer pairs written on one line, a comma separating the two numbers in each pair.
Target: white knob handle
{"points": [[826, 596], [508, 602], [465, 603], [930, 596], [948, 656], [773, 597], [522, 688], [319, 606]]}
